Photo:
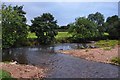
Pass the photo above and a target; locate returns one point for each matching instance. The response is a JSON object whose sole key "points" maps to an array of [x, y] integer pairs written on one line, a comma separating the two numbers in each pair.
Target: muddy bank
{"points": [[23, 71], [97, 54]]}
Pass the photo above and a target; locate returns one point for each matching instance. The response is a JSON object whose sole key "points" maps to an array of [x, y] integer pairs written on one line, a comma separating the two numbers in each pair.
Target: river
{"points": [[61, 65]]}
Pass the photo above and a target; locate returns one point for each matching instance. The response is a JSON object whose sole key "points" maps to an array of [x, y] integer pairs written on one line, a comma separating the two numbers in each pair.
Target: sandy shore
{"points": [[23, 71], [97, 54]]}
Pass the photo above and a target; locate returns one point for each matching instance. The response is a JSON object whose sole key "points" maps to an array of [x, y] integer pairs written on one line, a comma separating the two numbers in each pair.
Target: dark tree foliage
{"points": [[14, 28], [113, 26], [98, 18], [44, 26]]}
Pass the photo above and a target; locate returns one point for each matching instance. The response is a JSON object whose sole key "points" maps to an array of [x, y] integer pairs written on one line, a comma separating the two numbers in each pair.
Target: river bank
{"points": [[96, 54], [23, 71]]}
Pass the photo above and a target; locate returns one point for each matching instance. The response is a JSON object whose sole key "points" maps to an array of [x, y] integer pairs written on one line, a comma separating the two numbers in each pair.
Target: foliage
{"points": [[83, 28], [4, 74], [98, 18], [14, 29], [113, 24], [44, 27]]}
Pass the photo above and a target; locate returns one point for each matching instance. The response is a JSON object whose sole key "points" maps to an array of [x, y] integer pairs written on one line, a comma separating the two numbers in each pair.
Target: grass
{"points": [[107, 44], [60, 35], [4, 74], [116, 60], [63, 37]]}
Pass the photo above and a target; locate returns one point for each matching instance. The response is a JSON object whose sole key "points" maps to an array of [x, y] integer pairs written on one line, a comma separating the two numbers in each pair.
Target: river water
{"points": [[61, 65]]}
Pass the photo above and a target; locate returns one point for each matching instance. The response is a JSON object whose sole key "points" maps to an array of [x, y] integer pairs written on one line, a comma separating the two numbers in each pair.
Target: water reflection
{"points": [[15, 55], [26, 55], [60, 65]]}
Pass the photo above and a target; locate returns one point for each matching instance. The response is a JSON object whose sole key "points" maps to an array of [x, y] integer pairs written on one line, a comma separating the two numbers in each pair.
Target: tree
{"points": [[98, 18], [14, 29], [44, 26], [83, 28], [113, 26]]}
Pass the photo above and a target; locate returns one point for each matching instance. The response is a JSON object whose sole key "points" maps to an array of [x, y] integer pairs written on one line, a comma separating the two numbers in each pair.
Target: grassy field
{"points": [[59, 36], [62, 35], [4, 74]]}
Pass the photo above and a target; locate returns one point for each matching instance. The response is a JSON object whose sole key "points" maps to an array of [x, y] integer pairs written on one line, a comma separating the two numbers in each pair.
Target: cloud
{"points": [[66, 12]]}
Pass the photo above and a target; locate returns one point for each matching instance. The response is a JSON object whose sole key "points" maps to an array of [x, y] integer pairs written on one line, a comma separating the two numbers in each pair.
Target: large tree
{"points": [[83, 28], [14, 28], [113, 26], [98, 18], [44, 26]]}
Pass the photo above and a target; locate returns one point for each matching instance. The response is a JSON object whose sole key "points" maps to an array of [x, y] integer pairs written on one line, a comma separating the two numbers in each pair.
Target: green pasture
{"points": [[59, 36]]}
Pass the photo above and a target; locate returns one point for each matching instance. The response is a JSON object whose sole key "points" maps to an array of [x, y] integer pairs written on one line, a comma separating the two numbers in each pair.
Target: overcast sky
{"points": [[66, 12]]}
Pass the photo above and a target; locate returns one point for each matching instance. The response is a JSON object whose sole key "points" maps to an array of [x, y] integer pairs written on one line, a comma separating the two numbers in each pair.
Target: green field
{"points": [[62, 35], [59, 36]]}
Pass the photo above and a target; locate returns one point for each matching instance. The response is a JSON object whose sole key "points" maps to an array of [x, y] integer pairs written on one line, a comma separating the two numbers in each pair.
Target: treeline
{"points": [[15, 29], [95, 27]]}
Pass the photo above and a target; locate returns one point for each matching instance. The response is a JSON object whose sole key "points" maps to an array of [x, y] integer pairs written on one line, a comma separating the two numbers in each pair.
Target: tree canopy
{"points": [[113, 26], [44, 26], [13, 25], [98, 18], [15, 30], [83, 28]]}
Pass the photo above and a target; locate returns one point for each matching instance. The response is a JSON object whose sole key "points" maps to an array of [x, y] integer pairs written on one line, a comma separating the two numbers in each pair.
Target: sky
{"points": [[66, 12]]}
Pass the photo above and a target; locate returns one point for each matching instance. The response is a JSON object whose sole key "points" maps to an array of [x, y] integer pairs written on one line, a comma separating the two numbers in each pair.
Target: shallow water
{"points": [[61, 65]]}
